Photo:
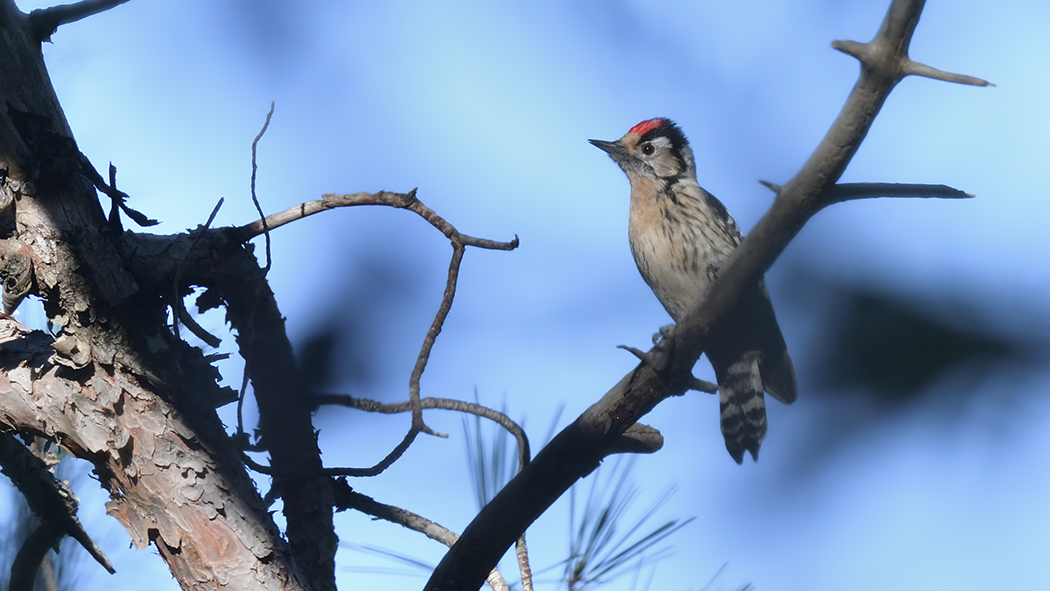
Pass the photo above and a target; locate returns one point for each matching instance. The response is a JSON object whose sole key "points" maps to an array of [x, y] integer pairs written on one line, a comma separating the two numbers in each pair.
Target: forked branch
{"points": [[524, 454]]}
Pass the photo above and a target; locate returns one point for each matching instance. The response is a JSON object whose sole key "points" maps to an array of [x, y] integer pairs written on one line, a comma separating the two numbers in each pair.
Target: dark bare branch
{"points": [[693, 384], [255, 198], [49, 499], [198, 331], [347, 498], [31, 555], [180, 311], [851, 191], [45, 21]]}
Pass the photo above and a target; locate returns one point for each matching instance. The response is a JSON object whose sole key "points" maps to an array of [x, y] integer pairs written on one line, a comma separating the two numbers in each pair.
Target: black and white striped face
{"points": [[655, 148]]}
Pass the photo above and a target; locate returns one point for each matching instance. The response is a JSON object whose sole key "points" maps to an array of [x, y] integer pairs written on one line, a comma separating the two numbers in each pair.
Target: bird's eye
{"points": [[648, 149]]}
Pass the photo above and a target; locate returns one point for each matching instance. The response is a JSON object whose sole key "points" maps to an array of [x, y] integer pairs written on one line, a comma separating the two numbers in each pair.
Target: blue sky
{"points": [[486, 108]]}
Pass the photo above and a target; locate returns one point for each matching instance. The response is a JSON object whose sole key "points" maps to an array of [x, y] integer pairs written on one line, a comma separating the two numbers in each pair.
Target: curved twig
{"points": [[459, 243], [524, 453], [328, 201], [176, 302], [347, 498], [255, 169]]}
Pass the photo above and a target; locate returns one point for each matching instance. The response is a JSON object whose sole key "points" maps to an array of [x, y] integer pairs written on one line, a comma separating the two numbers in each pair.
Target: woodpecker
{"points": [[680, 237]]}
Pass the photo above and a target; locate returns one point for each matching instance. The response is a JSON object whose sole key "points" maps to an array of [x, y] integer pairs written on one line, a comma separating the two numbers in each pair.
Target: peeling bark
{"points": [[116, 388]]}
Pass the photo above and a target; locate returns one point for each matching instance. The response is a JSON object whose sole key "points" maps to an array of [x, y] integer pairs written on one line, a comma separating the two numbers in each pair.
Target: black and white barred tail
{"points": [[742, 406], [748, 354]]}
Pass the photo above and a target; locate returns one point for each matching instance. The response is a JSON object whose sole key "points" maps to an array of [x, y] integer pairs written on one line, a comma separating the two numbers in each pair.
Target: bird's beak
{"points": [[610, 148], [615, 150]]}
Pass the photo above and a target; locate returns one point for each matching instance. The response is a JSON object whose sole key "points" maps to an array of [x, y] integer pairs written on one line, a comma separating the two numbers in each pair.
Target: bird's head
{"points": [[655, 148]]}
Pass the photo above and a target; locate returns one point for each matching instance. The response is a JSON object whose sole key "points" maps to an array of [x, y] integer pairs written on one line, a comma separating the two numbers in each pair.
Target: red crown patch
{"points": [[648, 125]]}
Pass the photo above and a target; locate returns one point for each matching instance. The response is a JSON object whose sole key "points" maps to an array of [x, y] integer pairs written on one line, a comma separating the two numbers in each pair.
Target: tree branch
{"points": [[667, 367], [912, 68], [851, 191], [45, 535], [459, 243], [48, 498], [45, 21], [524, 455], [640, 439], [397, 200], [144, 453], [347, 498]]}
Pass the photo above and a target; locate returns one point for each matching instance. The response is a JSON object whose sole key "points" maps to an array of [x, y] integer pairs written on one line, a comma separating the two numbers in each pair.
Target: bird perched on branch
{"points": [[681, 236]]}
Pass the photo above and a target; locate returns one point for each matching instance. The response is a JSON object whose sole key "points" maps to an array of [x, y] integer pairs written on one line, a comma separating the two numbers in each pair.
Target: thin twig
{"points": [[418, 425], [255, 199], [913, 68], [459, 243], [694, 384], [177, 307], [347, 498], [524, 453], [246, 349], [114, 204], [399, 200], [850, 191], [521, 551], [633, 351], [45, 21], [110, 190], [771, 186], [187, 320], [703, 386]]}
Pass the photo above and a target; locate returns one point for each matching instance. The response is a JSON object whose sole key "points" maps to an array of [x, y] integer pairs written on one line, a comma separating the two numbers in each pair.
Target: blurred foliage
{"points": [[898, 348], [339, 350], [877, 356]]}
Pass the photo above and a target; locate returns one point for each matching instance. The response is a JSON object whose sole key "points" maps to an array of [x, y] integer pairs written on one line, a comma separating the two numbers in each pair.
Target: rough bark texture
{"points": [[116, 387], [165, 488]]}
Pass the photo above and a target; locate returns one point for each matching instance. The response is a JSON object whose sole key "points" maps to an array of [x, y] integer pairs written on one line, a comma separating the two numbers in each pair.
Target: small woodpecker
{"points": [[680, 237]]}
